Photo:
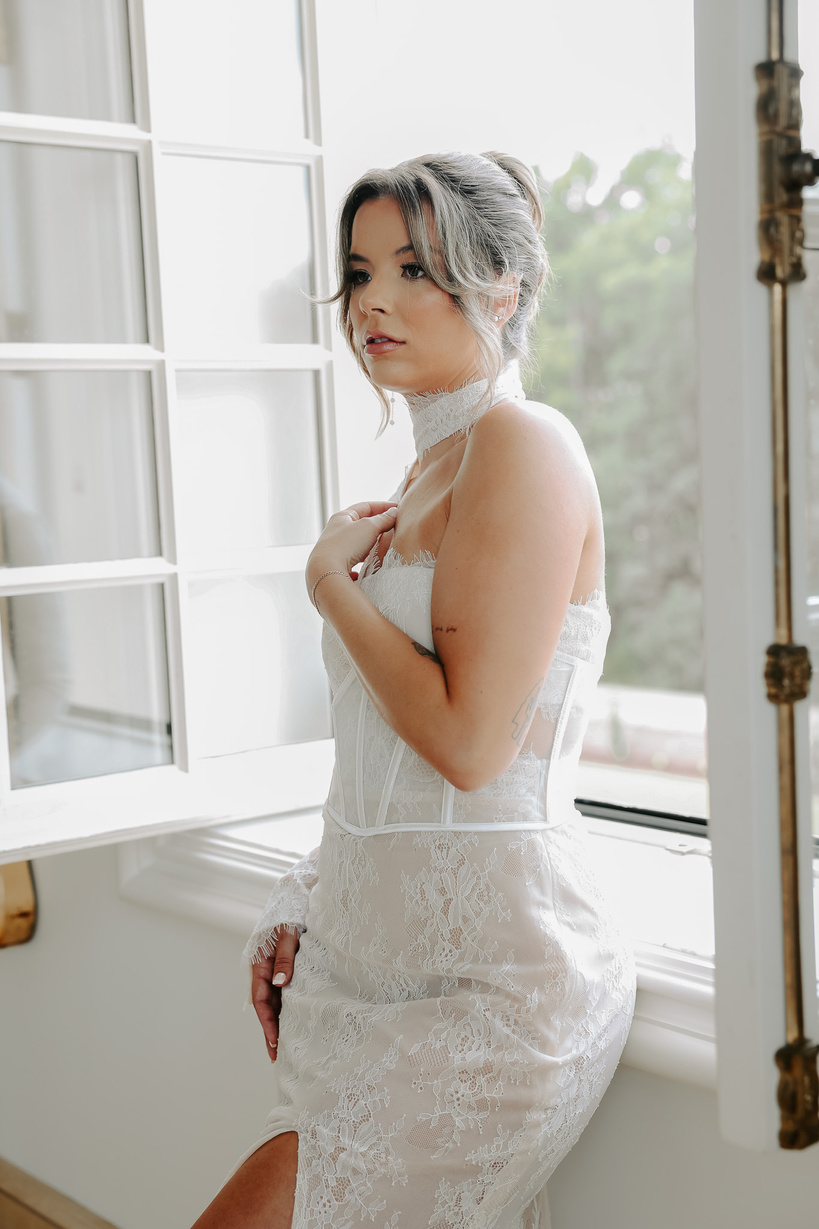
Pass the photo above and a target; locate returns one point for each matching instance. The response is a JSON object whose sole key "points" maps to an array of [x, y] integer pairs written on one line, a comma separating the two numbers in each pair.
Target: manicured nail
{"points": [[279, 979], [391, 512]]}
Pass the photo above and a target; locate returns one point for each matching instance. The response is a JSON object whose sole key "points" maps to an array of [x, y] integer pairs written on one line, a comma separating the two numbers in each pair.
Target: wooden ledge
{"points": [[18, 904], [27, 1203]]}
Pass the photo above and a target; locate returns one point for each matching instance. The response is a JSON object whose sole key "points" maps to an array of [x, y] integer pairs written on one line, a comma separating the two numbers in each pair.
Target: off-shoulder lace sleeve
{"points": [[286, 908]]}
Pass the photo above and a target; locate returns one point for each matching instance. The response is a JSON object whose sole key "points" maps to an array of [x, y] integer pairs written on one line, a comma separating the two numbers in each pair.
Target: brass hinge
{"points": [[798, 1095], [784, 170], [787, 673]]}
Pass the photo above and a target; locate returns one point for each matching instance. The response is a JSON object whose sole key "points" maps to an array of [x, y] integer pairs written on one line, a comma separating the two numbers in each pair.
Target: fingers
{"points": [[266, 1001], [381, 508], [267, 979], [286, 947]]}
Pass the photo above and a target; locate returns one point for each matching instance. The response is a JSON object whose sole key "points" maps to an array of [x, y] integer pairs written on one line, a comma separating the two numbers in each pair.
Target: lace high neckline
{"points": [[437, 415]]}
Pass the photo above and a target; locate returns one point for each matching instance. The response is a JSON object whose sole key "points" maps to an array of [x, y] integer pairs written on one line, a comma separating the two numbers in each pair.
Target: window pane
{"points": [[70, 246], [77, 471], [66, 57], [257, 678], [86, 682], [242, 62], [249, 467], [614, 349], [616, 352], [238, 252]]}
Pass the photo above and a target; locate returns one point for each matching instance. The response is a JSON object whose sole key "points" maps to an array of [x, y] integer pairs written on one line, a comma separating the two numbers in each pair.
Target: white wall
{"points": [[131, 1079]]}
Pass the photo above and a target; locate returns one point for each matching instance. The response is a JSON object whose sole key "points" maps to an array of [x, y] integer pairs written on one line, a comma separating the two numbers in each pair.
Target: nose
{"points": [[374, 297]]}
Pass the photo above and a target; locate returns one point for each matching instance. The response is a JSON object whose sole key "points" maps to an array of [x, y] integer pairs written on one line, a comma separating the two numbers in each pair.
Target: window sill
{"points": [[659, 883]]}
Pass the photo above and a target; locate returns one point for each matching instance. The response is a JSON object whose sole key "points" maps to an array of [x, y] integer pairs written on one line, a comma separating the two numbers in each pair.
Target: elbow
{"points": [[473, 767]]}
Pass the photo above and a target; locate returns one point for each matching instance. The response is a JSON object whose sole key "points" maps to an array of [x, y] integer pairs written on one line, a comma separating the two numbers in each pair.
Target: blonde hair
{"points": [[487, 215]]}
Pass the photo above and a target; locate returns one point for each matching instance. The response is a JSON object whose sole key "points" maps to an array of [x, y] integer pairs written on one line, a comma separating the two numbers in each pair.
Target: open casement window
{"points": [[166, 441], [738, 500]]}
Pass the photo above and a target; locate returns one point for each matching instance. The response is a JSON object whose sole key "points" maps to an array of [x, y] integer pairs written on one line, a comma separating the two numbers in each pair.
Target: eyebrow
{"points": [[398, 252]]}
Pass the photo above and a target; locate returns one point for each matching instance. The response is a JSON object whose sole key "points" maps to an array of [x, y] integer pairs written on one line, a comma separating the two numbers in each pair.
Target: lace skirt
{"points": [[459, 1003]]}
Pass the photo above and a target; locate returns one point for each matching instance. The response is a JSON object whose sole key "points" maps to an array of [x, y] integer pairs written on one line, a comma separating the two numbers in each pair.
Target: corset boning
{"points": [[380, 784]]}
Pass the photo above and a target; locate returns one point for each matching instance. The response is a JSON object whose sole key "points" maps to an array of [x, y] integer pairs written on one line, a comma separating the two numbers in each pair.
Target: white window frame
{"points": [[75, 814]]}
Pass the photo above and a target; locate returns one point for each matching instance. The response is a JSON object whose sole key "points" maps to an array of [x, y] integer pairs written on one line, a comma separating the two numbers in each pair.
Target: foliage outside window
{"points": [[616, 353]]}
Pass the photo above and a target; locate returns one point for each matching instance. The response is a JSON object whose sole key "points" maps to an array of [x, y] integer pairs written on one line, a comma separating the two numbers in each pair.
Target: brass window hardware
{"points": [[784, 169]]}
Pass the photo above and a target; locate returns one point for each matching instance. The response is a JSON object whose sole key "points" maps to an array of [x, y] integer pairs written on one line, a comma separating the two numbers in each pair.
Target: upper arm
{"points": [[519, 516]]}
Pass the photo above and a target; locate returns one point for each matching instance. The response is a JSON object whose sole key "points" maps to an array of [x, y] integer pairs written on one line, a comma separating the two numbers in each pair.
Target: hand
{"points": [[348, 538], [376, 555], [267, 998]]}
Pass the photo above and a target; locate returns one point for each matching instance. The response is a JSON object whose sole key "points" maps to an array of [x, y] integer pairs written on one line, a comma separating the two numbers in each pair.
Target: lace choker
{"points": [[437, 415]]}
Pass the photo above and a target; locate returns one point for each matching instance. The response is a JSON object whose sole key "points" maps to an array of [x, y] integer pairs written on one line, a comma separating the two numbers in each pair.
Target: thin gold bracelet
{"points": [[332, 572]]}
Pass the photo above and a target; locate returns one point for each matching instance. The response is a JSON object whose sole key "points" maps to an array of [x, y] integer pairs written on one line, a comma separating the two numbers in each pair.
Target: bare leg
{"points": [[260, 1195]]}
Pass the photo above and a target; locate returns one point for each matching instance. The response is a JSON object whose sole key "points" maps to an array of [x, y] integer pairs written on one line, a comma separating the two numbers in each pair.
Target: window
{"points": [[615, 346], [166, 448]]}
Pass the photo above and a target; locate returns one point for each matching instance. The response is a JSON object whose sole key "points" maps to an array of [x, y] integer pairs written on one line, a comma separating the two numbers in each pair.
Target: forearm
{"points": [[407, 687]]}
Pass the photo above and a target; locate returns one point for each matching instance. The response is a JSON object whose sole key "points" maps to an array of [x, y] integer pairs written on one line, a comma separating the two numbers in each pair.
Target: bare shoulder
{"points": [[516, 439]]}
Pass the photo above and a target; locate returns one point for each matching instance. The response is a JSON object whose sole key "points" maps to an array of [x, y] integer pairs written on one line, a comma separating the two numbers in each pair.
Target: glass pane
{"points": [[238, 252], [77, 470], [86, 682], [70, 246], [249, 469], [616, 353], [66, 57], [614, 350], [257, 678], [243, 80]]}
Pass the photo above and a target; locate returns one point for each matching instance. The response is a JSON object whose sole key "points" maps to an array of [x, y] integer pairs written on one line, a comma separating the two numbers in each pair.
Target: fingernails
{"points": [[391, 512], [279, 979]]}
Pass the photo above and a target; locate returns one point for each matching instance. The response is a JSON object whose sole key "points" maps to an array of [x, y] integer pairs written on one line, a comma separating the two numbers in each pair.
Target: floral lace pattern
{"points": [[447, 1035], [461, 994], [437, 415]]}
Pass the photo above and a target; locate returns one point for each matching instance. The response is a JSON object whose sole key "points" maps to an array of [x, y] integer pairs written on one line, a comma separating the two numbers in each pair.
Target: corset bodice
{"points": [[380, 784]]}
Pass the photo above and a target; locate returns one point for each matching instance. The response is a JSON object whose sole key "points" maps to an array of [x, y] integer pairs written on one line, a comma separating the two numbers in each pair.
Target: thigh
{"points": [[260, 1194]]}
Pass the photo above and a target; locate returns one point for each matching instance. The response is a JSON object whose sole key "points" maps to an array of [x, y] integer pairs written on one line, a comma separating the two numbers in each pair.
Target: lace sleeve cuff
{"points": [[286, 909]]}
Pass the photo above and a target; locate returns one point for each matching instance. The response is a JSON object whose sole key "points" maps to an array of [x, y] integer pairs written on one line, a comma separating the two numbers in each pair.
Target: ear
{"points": [[505, 301]]}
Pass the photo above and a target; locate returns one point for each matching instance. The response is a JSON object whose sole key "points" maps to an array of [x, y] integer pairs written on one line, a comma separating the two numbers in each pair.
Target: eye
{"points": [[413, 271], [357, 277]]}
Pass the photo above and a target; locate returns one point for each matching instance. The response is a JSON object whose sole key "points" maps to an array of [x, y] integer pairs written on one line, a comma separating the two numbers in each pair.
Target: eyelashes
{"points": [[411, 272]]}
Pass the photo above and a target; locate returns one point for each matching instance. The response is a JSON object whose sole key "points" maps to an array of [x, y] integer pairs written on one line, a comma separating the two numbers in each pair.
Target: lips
{"points": [[381, 343]]}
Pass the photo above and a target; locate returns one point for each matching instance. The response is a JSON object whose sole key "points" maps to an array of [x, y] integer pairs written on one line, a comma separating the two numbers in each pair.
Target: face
{"points": [[411, 335]]}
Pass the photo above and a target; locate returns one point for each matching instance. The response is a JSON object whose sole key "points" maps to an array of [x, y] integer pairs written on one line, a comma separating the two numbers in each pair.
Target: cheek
{"points": [[432, 309]]}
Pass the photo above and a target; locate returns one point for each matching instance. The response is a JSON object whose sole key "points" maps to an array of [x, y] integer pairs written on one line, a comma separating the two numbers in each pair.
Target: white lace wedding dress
{"points": [[461, 995]]}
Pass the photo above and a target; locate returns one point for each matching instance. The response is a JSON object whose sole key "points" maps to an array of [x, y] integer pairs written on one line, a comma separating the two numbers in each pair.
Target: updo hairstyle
{"points": [[487, 213]]}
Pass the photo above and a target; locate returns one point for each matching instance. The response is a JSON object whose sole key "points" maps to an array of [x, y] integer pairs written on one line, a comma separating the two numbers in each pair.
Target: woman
{"points": [[459, 996]]}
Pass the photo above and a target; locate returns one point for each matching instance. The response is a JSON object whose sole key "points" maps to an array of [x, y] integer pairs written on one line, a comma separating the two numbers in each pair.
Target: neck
{"points": [[440, 414]]}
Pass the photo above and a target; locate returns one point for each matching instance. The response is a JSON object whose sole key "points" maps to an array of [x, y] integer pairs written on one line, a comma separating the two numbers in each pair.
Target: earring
{"points": [[392, 408], [495, 316]]}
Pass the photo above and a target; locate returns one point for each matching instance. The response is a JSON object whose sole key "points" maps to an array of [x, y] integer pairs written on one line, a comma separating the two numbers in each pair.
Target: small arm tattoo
{"points": [[523, 717], [424, 652], [445, 629]]}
